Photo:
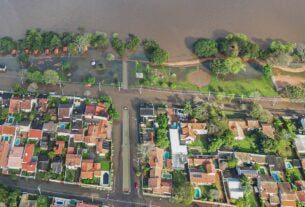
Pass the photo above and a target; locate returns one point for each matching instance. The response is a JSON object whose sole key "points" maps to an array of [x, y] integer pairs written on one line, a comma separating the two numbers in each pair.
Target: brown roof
{"points": [[90, 169], [28, 153], [78, 138], [43, 104], [268, 130], [285, 188], [268, 186], [14, 105], [73, 160], [253, 124], [100, 130], [202, 178], [4, 151], [156, 164], [90, 109], [172, 115], [59, 147], [301, 196], [26, 104]]}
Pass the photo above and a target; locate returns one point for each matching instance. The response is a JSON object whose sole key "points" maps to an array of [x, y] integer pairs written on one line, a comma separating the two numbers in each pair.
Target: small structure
{"points": [[268, 130], [300, 144], [15, 158], [56, 165], [235, 188], [190, 131]]}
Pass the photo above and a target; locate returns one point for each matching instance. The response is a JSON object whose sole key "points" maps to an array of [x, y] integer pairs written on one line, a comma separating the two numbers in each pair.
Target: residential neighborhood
{"points": [[57, 139], [228, 174]]}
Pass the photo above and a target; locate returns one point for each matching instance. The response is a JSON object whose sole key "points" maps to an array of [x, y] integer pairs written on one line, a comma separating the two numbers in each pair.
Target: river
{"points": [[173, 23]]}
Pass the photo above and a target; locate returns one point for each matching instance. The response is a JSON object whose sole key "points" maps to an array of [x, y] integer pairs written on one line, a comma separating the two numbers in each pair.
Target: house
{"points": [[15, 158], [43, 163], [85, 205], [64, 111], [268, 190], [190, 131], [287, 195], [201, 170], [103, 147], [4, 151], [56, 165], [35, 134], [171, 115], [50, 127], [276, 164], [24, 126], [156, 184], [301, 197], [7, 132], [299, 143], [28, 163], [268, 130], [90, 169], [147, 111], [59, 147], [235, 189], [42, 105], [252, 124], [18, 104], [179, 152], [45, 141], [73, 161], [78, 138], [237, 128], [249, 171], [93, 111], [95, 132]]}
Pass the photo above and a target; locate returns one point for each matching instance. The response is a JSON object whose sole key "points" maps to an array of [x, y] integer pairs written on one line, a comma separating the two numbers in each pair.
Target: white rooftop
{"points": [[176, 147], [303, 123], [300, 143]]}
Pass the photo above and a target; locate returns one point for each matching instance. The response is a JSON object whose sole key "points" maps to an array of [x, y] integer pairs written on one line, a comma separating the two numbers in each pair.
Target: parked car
{"points": [[3, 67]]}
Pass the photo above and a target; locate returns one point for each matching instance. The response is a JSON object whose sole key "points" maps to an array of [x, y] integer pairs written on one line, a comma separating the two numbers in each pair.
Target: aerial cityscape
{"points": [[152, 103]]}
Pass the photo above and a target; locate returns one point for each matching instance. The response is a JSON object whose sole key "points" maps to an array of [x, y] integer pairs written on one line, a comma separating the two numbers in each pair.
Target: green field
{"points": [[244, 87]]}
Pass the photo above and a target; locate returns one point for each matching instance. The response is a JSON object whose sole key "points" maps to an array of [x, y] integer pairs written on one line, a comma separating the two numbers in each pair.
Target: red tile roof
{"points": [[28, 153], [85, 205], [35, 134], [90, 109], [73, 160], [8, 130], [59, 147], [4, 150]]}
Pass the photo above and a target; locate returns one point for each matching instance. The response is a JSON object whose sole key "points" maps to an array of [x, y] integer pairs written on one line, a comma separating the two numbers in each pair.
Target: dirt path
{"points": [[284, 80], [291, 70]]}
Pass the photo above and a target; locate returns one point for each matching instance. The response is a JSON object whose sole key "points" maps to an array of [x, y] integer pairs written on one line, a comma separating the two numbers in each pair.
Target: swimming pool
{"points": [[17, 142], [166, 155], [197, 193], [276, 177], [6, 138], [11, 119]]}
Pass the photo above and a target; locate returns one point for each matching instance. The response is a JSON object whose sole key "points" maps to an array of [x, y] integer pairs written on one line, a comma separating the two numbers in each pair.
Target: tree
{"points": [[133, 42], [3, 195], [100, 40], [82, 42], [14, 198], [50, 77], [162, 140], [293, 175], [118, 45], [300, 51], [188, 109], [55, 42], [33, 39], [205, 48], [67, 38], [35, 77], [33, 87], [238, 45], [267, 71], [184, 194], [150, 45], [226, 66], [7, 44], [43, 201], [90, 80], [158, 56], [110, 57], [277, 47], [246, 183], [258, 112], [72, 48]]}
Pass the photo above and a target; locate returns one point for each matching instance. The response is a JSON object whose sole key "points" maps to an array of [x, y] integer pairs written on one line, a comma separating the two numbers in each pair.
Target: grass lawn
{"points": [[202, 142], [70, 175], [242, 87], [246, 145], [105, 165]]}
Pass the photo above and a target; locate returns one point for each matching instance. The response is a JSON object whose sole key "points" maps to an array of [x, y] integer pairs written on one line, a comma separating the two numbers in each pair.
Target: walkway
{"points": [[126, 151]]}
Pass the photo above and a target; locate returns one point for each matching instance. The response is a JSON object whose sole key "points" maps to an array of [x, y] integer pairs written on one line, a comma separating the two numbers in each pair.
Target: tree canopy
{"points": [[205, 47], [51, 77], [7, 44], [258, 112], [133, 42], [154, 52], [162, 139], [277, 47], [231, 65]]}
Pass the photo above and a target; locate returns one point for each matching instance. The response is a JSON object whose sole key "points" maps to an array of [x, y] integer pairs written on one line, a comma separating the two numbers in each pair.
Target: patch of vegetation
{"points": [[205, 47], [162, 139], [155, 54], [183, 190]]}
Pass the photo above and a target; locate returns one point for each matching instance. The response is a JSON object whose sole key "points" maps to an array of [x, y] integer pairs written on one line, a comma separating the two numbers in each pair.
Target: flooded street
{"points": [[173, 23]]}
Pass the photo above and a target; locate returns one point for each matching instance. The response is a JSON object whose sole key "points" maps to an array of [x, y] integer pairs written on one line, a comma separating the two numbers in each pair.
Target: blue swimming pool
{"points": [[6, 138], [11, 119], [166, 155], [276, 177], [197, 193], [62, 126], [17, 142]]}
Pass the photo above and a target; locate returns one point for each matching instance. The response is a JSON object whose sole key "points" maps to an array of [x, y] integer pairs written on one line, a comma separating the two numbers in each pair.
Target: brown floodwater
{"points": [[173, 23]]}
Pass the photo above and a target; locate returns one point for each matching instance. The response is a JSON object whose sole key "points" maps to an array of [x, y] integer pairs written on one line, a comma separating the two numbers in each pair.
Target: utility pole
{"points": [[99, 86], [39, 189], [119, 86], [140, 90]]}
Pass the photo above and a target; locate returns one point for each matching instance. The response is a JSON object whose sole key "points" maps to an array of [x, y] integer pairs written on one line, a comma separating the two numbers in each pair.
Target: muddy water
{"points": [[174, 23]]}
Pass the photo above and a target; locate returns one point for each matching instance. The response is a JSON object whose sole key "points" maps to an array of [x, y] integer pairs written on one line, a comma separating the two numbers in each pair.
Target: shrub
{"points": [[118, 45], [294, 92], [133, 42]]}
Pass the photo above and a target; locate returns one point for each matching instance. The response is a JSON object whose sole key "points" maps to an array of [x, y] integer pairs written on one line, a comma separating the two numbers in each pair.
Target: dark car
{"points": [[3, 68]]}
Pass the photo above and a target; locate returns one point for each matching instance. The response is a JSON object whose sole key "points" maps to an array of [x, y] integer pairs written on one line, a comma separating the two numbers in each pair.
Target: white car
{"points": [[3, 68]]}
